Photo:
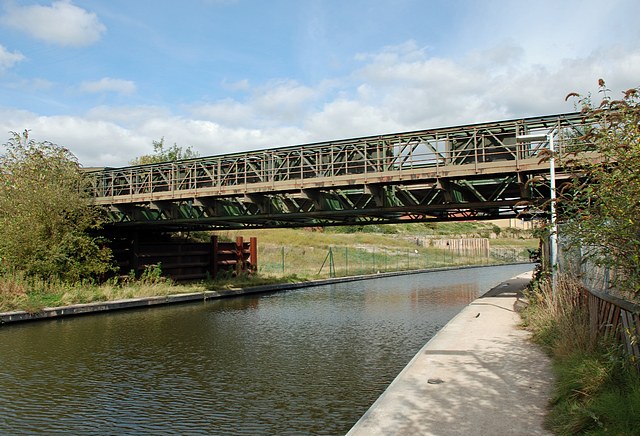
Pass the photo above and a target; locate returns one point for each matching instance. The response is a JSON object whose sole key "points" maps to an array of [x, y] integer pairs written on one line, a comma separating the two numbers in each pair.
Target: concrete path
{"points": [[479, 375]]}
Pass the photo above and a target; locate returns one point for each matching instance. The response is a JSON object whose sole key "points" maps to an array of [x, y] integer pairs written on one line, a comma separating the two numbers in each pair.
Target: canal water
{"points": [[309, 361]]}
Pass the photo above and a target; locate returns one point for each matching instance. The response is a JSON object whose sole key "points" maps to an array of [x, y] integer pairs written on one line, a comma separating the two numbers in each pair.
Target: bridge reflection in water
{"points": [[476, 171], [303, 362]]}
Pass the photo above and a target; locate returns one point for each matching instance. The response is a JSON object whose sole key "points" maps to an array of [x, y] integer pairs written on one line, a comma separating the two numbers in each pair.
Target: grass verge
{"points": [[32, 295], [597, 389]]}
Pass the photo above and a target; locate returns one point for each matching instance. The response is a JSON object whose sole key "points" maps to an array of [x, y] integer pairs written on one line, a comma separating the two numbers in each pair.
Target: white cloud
{"points": [[350, 118], [107, 84], [93, 142], [36, 84], [62, 23], [285, 100], [127, 116], [421, 91], [398, 88], [228, 112], [550, 30], [104, 138], [272, 104], [9, 59]]}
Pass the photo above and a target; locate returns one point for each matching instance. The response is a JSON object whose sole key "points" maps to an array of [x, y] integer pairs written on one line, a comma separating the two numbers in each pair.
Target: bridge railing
{"points": [[348, 161]]}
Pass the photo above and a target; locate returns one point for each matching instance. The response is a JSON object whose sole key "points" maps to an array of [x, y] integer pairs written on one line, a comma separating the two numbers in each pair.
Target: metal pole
{"points": [[346, 261], [332, 268], [553, 240]]}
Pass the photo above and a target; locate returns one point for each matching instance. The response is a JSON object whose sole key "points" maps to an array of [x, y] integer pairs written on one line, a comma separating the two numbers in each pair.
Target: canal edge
{"points": [[146, 302]]}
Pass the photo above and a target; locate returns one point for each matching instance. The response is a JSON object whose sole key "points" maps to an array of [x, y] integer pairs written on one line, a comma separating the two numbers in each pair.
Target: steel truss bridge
{"points": [[477, 171]]}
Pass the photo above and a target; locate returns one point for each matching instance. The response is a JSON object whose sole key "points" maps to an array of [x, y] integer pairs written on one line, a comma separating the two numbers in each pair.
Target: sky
{"points": [[106, 78]]}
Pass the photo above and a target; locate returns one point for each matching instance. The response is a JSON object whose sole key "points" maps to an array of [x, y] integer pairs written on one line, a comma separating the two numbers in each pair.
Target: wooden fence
{"points": [[610, 316]]}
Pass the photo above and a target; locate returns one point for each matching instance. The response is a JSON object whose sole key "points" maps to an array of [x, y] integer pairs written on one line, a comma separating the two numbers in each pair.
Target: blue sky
{"points": [[106, 78]]}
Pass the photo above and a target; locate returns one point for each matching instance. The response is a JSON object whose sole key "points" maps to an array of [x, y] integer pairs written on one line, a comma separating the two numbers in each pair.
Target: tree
{"points": [[161, 154], [45, 217], [601, 206]]}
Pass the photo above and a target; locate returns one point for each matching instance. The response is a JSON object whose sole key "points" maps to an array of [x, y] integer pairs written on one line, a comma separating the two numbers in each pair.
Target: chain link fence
{"points": [[336, 261]]}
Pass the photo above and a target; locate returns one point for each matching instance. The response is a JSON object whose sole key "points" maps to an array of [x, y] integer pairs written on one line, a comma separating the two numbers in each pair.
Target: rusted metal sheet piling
{"points": [[184, 260], [234, 257]]}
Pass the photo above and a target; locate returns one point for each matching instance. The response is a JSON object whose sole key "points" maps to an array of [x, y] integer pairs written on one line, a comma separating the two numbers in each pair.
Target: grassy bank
{"points": [[31, 295], [309, 253], [597, 389], [285, 255]]}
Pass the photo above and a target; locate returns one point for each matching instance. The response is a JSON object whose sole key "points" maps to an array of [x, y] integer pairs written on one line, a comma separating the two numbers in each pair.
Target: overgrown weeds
{"points": [[18, 292], [557, 319], [597, 389]]}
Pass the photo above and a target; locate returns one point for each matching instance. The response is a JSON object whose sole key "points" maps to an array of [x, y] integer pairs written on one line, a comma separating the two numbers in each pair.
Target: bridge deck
{"points": [[474, 171]]}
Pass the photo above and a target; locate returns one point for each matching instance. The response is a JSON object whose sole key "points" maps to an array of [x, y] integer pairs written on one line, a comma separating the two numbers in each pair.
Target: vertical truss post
{"points": [[475, 149]]}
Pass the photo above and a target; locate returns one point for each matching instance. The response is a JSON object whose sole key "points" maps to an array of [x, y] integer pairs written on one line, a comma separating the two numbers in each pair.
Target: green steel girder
{"points": [[445, 200], [452, 212]]}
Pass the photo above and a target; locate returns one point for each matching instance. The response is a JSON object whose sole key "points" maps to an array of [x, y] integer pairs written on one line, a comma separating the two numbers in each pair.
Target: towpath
{"points": [[479, 375]]}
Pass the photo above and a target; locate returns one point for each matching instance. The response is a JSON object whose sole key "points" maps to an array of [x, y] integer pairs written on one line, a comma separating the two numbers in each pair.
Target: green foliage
{"points": [[557, 322], [162, 154], [45, 218], [595, 394], [600, 208], [152, 274], [21, 292], [387, 229], [619, 409], [597, 389]]}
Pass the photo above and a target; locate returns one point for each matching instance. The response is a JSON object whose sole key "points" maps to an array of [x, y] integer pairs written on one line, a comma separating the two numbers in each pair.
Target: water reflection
{"points": [[307, 361]]}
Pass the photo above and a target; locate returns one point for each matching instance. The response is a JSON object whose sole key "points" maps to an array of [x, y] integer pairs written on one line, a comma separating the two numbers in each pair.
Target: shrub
{"points": [[600, 207], [46, 220], [597, 389]]}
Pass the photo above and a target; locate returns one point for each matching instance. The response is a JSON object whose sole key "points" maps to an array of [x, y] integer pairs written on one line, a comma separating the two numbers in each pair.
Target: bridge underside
{"points": [[441, 200], [480, 172]]}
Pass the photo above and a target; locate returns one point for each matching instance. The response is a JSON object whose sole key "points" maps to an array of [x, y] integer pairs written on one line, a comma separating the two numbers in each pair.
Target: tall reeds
{"points": [[596, 391], [557, 318]]}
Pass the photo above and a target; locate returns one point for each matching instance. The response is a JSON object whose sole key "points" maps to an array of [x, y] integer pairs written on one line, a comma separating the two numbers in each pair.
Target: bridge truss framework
{"points": [[477, 171]]}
